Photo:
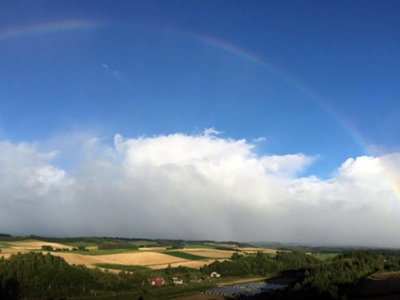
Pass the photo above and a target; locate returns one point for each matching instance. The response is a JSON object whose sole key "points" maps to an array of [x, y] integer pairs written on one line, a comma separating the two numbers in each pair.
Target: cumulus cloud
{"points": [[196, 187]]}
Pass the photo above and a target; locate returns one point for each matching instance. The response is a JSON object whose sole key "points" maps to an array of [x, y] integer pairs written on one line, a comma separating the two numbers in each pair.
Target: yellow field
{"points": [[186, 263], [140, 259], [254, 250], [208, 252], [32, 245], [152, 248]]}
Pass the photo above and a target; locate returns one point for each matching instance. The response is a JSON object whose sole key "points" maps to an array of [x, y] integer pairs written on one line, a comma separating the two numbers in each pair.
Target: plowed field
{"points": [[380, 284]]}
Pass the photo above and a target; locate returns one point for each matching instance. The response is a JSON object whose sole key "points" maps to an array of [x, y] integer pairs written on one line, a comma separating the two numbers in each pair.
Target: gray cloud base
{"points": [[196, 187]]}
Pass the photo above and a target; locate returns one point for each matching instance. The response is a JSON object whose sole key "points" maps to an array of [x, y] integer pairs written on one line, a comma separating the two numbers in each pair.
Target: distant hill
{"points": [[5, 235]]}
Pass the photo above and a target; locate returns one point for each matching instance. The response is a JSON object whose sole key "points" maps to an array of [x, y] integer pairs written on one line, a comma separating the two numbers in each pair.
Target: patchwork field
{"points": [[149, 257]]}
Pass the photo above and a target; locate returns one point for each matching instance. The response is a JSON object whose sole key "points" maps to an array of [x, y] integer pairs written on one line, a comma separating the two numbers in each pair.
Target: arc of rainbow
{"points": [[388, 172], [14, 32]]}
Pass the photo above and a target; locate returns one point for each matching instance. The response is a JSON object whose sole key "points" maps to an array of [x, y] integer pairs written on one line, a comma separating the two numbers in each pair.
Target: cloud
{"points": [[260, 139], [113, 73], [196, 187]]}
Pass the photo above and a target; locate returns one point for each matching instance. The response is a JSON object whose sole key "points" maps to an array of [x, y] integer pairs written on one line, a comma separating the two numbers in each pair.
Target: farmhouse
{"points": [[177, 280], [157, 280]]}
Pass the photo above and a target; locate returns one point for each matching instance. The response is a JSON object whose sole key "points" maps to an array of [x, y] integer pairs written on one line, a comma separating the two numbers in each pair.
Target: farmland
{"points": [[184, 259], [147, 257]]}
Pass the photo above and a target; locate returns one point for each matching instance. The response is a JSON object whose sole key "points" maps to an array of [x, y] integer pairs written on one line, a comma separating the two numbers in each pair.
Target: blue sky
{"points": [[317, 80]]}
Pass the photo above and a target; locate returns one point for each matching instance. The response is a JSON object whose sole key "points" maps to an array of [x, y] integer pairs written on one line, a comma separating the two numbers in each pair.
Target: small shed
{"points": [[157, 280]]}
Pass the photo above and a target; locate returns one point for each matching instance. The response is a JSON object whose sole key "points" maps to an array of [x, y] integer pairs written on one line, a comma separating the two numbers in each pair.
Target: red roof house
{"points": [[157, 280]]}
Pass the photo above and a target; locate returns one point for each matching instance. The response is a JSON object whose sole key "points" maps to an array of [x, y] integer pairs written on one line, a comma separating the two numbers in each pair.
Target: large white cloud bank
{"points": [[196, 187]]}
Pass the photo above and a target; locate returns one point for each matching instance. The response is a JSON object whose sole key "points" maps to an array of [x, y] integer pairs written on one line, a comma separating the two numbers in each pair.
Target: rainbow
{"points": [[44, 28], [274, 69], [68, 25], [388, 171]]}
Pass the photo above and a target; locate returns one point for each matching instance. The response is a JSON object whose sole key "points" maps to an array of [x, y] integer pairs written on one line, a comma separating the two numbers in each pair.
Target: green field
{"points": [[325, 256], [224, 245], [200, 245], [144, 243], [129, 268], [185, 255], [76, 244], [4, 245]]}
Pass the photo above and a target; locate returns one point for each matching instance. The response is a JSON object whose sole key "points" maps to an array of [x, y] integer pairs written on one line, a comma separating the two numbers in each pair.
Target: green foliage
{"points": [[323, 281], [296, 260], [392, 263], [245, 265], [37, 274], [117, 245], [46, 248], [324, 256]]}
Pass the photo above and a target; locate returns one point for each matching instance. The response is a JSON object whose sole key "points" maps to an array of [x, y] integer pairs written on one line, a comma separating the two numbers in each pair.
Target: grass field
{"points": [[129, 268], [198, 246], [324, 256], [221, 245], [144, 243], [185, 255], [4, 245]]}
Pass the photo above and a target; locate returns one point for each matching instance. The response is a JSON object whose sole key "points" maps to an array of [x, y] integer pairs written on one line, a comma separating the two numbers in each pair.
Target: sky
{"points": [[227, 120]]}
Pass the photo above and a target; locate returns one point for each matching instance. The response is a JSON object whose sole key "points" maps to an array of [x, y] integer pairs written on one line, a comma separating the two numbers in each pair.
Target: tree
{"points": [[47, 248]]}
